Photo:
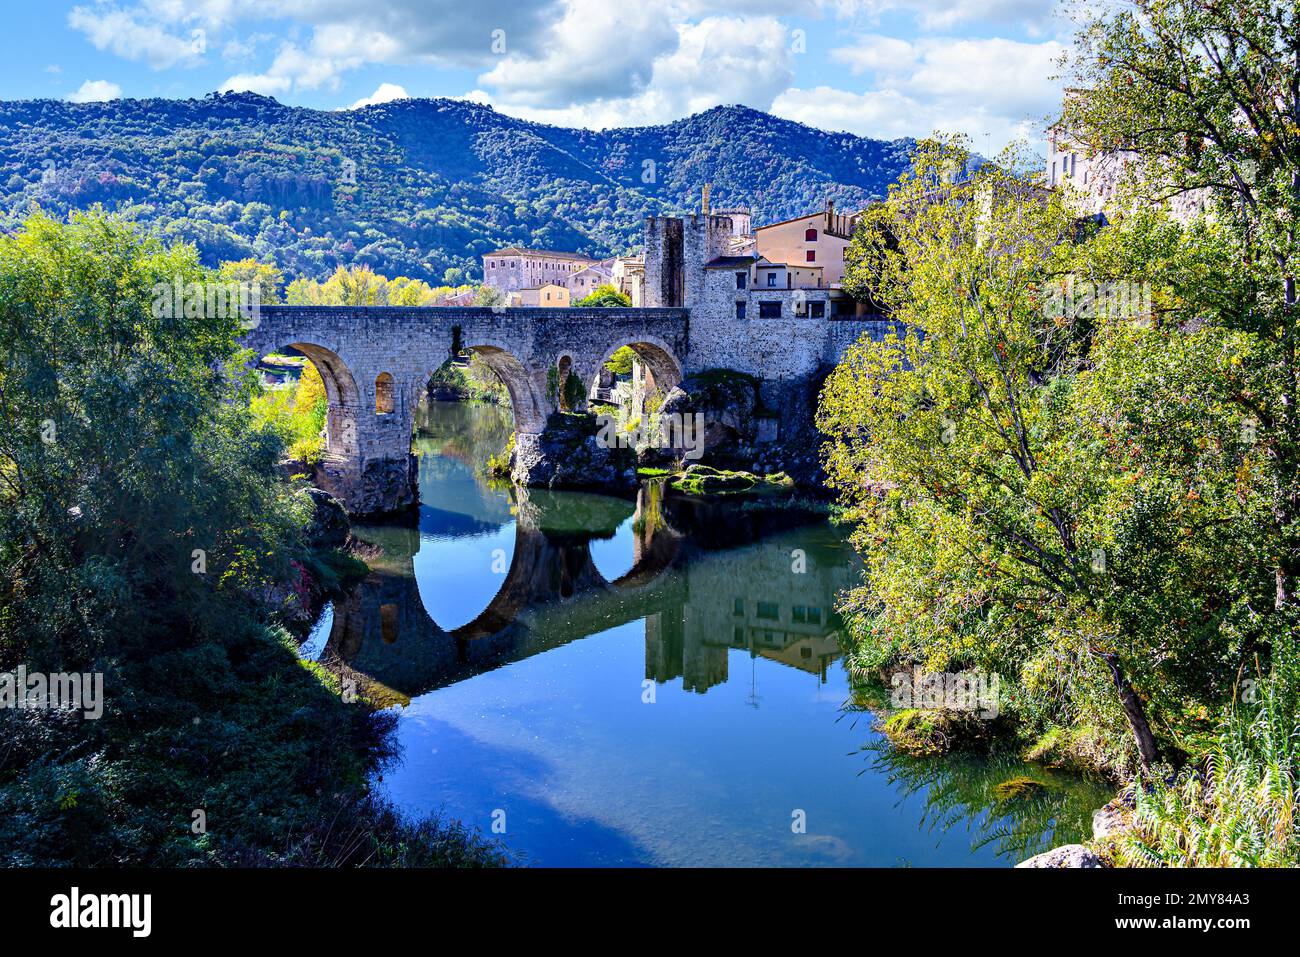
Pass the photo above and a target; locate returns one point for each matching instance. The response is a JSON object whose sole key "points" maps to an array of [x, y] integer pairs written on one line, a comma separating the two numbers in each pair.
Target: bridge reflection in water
{"points": [[706, 580], [521, 633]]}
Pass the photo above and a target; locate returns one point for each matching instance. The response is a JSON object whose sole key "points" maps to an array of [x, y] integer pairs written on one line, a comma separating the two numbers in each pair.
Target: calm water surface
{"points": [[646, 683]]}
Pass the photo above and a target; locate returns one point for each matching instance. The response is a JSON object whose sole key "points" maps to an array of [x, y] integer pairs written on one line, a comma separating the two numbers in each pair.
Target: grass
{"points": [[931, 731], [1237, 808]]}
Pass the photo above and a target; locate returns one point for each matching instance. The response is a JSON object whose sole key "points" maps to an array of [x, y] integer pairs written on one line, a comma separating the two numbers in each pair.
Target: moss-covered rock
{"points": [[931, 731], [705, 480], [1021, 788]]}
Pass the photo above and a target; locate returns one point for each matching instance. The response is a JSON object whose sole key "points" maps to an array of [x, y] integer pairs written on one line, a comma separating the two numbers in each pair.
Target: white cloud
{"points": [[294, 69], [719, 60], [95, 91], [585, 62], [993, 90], [125, 34], [1006, 75], [1033, 16], [256, 83], [384, 93]]}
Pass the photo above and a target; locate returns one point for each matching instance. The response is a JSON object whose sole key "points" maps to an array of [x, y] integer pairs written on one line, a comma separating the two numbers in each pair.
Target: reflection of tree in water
{"points": [[469, 433], [963, 790]]}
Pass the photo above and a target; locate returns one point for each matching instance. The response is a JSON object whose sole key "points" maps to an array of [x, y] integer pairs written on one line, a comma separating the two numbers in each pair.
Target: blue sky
{"points": [[880, 68]]}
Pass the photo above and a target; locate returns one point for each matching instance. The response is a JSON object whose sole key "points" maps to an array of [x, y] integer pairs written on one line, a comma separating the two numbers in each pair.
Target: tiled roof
{"points": [[549, 253]]}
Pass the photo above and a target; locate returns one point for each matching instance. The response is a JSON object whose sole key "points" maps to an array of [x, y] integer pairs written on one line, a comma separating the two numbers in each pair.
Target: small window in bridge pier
{"points": [[384, 394]]}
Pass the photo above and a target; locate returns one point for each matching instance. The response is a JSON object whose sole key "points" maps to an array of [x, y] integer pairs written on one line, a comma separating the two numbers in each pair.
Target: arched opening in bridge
{"points": [[633, 379], [569, 392], [309, 397], [388, 623], [384, 394], [472, 406]]}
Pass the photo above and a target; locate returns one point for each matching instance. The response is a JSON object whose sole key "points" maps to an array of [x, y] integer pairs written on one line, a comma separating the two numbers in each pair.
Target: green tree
{"points": [[268, 278], [1206, 96], [605, 296], [1000, 527], [489, 296], [620, 363], [125, 446]]}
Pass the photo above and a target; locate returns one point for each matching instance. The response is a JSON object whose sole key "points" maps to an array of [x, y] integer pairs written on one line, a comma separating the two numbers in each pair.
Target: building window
{"points": [[817, 310], [738, 607], [771, 279], [811, 256], [769, 310], [742, 280], [740, 310], [769, 610], [383, 394], [810, 235]]}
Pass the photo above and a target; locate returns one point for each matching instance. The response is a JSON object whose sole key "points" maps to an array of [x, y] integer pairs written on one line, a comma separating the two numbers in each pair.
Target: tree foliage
{"points": [[605, 296], [1044, 492], [1205, 98], [362, 286], [126, 445]]}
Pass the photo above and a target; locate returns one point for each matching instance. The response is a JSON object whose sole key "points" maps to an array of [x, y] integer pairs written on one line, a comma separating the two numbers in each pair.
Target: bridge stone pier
{"points": [[376, 362]]}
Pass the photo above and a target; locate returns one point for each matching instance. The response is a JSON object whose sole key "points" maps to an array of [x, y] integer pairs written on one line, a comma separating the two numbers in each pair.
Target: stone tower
{"points": [[663, 262], [676, 249]]}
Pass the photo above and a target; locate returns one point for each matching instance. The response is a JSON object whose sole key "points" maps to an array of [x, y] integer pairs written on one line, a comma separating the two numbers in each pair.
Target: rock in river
{"points": [[1068, 855]]}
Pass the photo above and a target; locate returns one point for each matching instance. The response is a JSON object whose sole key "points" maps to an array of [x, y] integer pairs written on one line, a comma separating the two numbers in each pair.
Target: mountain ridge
{"points": [[416, 187]]}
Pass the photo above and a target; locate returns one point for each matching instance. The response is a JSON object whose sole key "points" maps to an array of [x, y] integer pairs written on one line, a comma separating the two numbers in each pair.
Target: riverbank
{"points": [[228, 751]]}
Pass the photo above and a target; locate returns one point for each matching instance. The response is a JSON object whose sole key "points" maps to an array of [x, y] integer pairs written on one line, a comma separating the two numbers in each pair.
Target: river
{"points": [[658, 682]]}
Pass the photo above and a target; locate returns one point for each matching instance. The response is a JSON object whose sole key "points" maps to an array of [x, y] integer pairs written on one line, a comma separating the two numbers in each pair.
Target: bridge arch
{"points": [[655, 357], [384, 394], [528, 407], [342, 441], [654, 353]]}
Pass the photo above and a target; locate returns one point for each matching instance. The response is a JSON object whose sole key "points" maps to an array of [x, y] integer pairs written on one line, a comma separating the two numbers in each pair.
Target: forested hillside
{"points": [[415, 187]]}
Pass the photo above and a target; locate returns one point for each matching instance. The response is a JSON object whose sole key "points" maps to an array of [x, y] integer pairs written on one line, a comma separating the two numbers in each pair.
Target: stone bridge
{"points": [[377, 361]]}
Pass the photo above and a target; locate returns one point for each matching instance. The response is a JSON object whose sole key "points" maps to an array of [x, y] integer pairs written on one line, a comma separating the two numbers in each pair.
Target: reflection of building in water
{"points": [[750, 598]]}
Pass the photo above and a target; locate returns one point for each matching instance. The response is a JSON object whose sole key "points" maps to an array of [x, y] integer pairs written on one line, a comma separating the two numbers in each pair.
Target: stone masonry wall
{"points": [[368, 456]]}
